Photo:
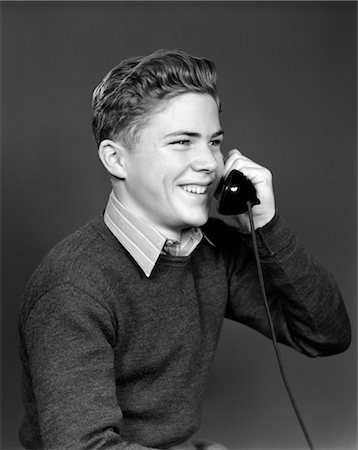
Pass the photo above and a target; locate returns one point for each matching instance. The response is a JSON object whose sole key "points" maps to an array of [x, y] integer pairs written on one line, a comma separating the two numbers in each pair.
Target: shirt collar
{"points": [[142, 240]]}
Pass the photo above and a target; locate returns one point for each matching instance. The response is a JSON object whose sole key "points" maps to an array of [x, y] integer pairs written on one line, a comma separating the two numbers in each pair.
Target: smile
{"points": [[195, 189]]}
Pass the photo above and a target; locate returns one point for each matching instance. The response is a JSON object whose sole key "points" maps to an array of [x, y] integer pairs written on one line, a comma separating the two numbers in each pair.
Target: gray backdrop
{"points": [[287, 80]]}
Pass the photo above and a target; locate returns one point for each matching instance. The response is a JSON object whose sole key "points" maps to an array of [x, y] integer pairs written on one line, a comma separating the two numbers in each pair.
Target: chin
{"points": [[197, 220]]}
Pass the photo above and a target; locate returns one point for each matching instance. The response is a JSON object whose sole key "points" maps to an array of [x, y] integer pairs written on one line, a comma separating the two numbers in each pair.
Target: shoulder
{"points": [[85, 260], [84, 247]]}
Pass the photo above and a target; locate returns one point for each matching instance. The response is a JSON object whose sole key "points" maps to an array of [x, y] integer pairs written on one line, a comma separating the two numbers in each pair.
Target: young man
{"points": [[120, 321]]}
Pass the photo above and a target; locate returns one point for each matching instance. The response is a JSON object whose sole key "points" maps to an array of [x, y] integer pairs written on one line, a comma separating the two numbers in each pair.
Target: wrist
{"points": [[243, 221]]}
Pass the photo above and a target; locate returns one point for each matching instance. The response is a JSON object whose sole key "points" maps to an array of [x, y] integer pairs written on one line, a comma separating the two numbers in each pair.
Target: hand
{"points": [[261, 178]]}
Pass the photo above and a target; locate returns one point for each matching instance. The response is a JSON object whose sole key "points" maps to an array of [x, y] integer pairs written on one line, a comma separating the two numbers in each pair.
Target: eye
{"points": [[181, 142], [216, 142]]}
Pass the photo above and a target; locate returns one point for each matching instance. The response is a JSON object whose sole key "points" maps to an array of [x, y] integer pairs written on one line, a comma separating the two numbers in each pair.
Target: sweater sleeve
{"points": [[69, 343], [306, 305]]}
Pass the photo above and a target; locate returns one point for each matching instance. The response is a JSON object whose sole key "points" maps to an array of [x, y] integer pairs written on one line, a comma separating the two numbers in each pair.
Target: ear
{"points": [[112, 156]]}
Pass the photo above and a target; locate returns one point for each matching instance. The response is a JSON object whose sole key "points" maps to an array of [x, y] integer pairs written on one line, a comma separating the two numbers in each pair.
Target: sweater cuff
{"points": [[275, 239]]}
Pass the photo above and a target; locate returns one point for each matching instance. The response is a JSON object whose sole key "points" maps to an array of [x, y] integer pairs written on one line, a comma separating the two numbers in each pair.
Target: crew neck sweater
{"points": [[115, 360]]}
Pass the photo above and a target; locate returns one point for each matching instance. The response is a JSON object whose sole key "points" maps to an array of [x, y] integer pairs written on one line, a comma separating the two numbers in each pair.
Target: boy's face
{"points": [[176, 164]]}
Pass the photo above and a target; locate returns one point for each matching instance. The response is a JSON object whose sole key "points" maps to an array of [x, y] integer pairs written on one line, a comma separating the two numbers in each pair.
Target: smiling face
{"points": [[175, 166]]}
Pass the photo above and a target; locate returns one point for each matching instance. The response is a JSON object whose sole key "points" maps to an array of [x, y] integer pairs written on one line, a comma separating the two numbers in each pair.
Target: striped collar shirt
{"points": [[142, 240]]}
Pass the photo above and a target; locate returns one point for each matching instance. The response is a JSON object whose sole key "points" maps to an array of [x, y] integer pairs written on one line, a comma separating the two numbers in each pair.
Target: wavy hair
{"points": [[135, 88]]}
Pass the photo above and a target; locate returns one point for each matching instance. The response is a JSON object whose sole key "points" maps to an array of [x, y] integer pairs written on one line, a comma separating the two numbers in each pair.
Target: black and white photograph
{"points": [[178, 225]]}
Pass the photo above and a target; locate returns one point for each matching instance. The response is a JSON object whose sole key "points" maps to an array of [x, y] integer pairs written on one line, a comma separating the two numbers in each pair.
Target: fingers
{"points": [[236, 160], [262, 181], [256, 173]]}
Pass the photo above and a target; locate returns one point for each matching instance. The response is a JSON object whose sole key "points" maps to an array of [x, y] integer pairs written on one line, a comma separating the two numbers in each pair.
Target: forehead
{"points": [[193, 111]]}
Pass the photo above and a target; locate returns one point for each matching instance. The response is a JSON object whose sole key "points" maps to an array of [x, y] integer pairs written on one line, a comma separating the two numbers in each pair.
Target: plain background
{"points": [[287, 78]]}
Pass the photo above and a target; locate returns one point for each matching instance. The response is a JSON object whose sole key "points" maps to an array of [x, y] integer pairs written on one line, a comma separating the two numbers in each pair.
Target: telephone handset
{"points": [[233, 193]]}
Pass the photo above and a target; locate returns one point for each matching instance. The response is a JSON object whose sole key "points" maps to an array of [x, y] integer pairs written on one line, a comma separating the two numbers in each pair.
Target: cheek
{"points": [[157, 186], [146, 174], [220, 167]]}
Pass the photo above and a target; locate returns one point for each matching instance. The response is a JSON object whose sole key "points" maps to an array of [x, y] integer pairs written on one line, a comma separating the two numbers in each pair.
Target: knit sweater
{"points": [[115, 360]]}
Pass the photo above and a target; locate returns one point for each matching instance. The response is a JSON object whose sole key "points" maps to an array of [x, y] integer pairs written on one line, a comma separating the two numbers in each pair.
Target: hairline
{"points": [[131, 134]]}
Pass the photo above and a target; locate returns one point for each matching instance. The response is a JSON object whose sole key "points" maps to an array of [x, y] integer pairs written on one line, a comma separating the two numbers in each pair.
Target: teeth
{"points": [[194, 189]]}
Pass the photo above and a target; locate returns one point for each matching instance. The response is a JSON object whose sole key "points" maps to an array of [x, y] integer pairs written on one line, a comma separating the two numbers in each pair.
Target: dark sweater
{"points": [[113, 359]]}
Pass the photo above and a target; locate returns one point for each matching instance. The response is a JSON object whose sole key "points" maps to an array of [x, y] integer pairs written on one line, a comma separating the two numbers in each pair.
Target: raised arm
{"points": [[306, 304]]}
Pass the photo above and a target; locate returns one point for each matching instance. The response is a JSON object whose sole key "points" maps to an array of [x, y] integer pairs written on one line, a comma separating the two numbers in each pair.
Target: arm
{"points": [[69, 343], [307, 308]]}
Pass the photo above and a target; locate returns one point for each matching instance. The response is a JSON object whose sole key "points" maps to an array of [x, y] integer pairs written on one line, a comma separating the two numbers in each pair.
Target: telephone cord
{"points": [[273, 334]]}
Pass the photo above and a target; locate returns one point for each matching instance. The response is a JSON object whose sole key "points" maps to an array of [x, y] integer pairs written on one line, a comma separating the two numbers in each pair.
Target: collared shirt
{"points": [[142, 240]]}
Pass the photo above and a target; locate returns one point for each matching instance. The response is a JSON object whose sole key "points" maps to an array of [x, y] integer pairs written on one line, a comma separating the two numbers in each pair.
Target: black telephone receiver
{"points": [[233, 193]]}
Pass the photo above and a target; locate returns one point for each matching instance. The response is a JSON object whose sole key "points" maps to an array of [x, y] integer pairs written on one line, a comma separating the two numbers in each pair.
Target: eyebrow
{"points": [[193, 134]]}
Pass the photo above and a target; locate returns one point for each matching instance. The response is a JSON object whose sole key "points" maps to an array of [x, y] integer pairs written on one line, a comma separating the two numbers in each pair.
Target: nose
{"points": [[205, 159]]}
